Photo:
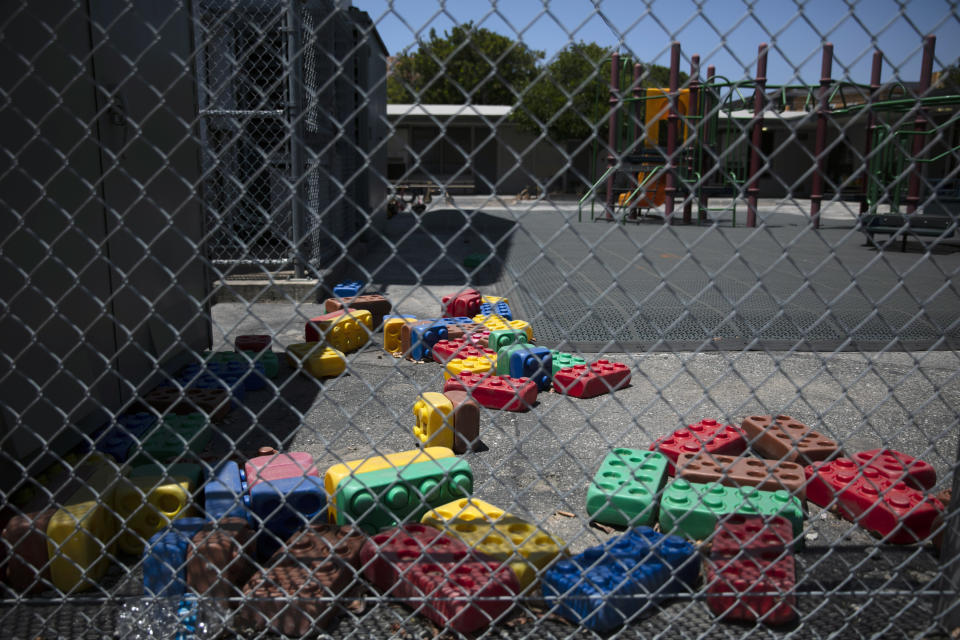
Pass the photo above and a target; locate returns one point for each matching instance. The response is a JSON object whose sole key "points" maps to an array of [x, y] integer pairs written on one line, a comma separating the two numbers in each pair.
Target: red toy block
{"points": [[455, 331], [588, 381], [751, 534], [479, 338], [706, 435], [441, 577], [27, 568], [899, 513], [495, 392], [446, 350], [464, 304], [295, 464], [899, 467], [252, 343]]}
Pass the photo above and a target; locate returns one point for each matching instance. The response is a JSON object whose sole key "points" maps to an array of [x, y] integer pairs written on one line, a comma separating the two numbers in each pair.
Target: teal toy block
{"points": [[502, 337], [178, 436], [624, 489], [378, 500], [693, 509], [562, 360]]}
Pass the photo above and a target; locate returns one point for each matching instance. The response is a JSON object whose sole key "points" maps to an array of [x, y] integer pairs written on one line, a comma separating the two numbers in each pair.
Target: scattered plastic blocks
{"points": [[440, 577], [899, 513], [527, 361], [418, 338], [502, 536], [244, 366], [294, 464], [751, 573], [346, 330], [464, 303], [376, 304], [588, 381], [472, 364], [339, 472], [176, 436], [220, 561], [224, 492], [495, 392], [494, 299], [377, 500], [501, 309], [706, 435], [463, 330], [214, 403], [783, 438], [466, 421], [607, 585], [563, 360], [282, 506], [150, 498], [500, 338], [392, 327], [899, 467], [316, 359], [252, 342], [434, 423], [445, 350], [693, 509], [165, 558], [348, 288], [479, 338], [735, 471], [118, 440], [625, 488]]}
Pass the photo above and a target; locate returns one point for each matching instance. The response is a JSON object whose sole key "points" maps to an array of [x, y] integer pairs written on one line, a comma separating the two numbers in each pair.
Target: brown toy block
{"points": [[458, 331], [25, 538], [215, 403], [466, 421], [321, 542], [783, 438], [220, 560], [733, 471], [376, 304]]}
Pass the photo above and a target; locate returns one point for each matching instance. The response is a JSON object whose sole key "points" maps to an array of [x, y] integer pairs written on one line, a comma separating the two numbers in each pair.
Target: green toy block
{"points": [[693, 509], [378, 500], [175, 436], [503, 353], [624, 489], [269, 359], [474, 260], [502, 337], [562, 360]]}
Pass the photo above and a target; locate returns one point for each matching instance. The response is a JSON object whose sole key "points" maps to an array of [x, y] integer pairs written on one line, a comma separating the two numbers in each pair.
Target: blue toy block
{"points": [[137, 424], [283, 507], [422, 337], [225, 492], [117, 440], [535, 363], [501, 309], [165, 557], [348, 289], [606, 585], [451, 321]]}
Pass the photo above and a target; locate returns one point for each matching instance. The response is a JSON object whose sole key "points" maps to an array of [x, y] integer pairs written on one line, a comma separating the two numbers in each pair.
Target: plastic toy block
{"points": [[899, 467], [471, 364], [625, 487], [588, 381], [500, 338], [440, 577], [417, 339], [463, 330], [346, 330], [283, 506], [495, 392], [464, 303], [376, 304], [117, 440], [896, 511], [528, 361], [502, 536], [377, 500], [146, 504], [480, 338], [445, 350], [165, 558], [450, 322], [220, 560], [706, 435], [245, 366], [434, 424], [252, 342], [563, 360], [735, 471], [224, 491], [501, 309], [25, 535], [214, 403], [522, 325], [466, 421], [693, 509], [494, 299], [268, 359], [177, 436], [739, 533], [783, 438], [316, 359], [474, 260], [348, 288], [392, 332], [176, 472], [607, 585], [295, 464]]}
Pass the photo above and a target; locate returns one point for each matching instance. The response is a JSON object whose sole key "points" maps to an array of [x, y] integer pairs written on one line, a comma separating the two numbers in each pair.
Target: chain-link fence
{"points": [[310, 328]]}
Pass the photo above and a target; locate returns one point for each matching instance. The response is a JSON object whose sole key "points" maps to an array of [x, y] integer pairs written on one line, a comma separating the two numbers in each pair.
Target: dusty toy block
{"points": [[117, 440], [223, 494], [524, 326], [377, 500], [463, 329], [524, 547], [434, 423], [214, 403], [25, 535], [501, 309], [250, 366], [625, 488], [470, 364], [348, 288], [165, 558], [464, 303], [150, 498], [527, 361], [899, 467], [177, 437], [221, 560], [267, 359], [440, 577], [282, 506], [896, 511], [376, 304], [445, 350], [783, 438], [466, 421], [317, 360], [588, 381], [418, 339], [751, 572], [563, 360], [494, 299], [392, 332], [693, 509], [294, 464], [495, 392], [252, 342], [480, 338], [628, 575], [707, 435], [500, 338], [346, 330], [735, 471]]}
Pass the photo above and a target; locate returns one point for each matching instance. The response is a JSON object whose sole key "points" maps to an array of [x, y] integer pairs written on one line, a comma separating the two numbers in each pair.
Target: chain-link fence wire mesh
{"points": [[185, 459]]}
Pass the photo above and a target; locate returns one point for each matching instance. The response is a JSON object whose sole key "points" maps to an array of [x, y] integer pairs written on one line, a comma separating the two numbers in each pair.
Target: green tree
{"points": [[466, 64]]}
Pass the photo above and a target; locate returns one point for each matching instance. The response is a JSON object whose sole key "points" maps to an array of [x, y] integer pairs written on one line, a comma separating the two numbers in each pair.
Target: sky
{"points": [[726, 33]]}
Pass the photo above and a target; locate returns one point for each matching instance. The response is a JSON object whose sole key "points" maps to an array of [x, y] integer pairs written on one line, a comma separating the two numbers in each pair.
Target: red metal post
{"points": [[871, 126], [920, 124], [672, 117], [692, 112], [639, 130], [759, 100], [706, 131], [612, 124], [816, 191]]}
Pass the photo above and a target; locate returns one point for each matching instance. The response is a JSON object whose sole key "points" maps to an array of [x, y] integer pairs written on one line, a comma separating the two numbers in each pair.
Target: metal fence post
{"points": [[612, 133], [672, 122], [816, 191], [759, 102], [875, 70], [295, 123], [920, 125]]}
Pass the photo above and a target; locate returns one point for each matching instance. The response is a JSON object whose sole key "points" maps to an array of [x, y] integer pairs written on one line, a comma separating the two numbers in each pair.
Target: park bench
{"points": [[918, 226]]}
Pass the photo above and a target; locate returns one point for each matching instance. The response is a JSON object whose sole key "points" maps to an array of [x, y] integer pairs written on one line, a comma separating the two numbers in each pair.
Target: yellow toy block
{"points": [[492, 323], [434, 425], [506, 537], [392, 329], [350, 331], [471, 364], [522, 325], [147, 504], [338, 472], [317, 360], [494, 299]]}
